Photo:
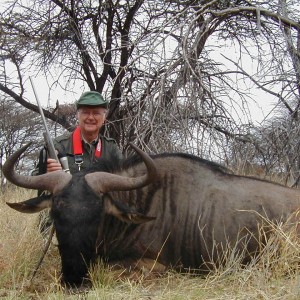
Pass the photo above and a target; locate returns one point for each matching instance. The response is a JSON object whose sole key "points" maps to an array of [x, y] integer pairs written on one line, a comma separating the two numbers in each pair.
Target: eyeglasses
{"points": [[95, 114]]}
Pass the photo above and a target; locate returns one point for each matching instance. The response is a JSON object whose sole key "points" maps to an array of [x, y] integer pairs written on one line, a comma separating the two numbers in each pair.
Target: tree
{"points": [[163, 64], [17, 127], [275, 144]]}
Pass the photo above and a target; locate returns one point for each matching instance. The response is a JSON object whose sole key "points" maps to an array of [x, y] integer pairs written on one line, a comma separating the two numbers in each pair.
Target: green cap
{"points": [[91, 98]]}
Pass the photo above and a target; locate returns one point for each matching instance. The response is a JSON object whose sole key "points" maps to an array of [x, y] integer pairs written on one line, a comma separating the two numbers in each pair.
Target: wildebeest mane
{"points": [[133, 160], [109, 165], [113, 163]]}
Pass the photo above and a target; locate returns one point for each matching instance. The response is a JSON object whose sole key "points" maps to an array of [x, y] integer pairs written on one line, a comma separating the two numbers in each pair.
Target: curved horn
{"points": [[52, 182], [102, 182]]}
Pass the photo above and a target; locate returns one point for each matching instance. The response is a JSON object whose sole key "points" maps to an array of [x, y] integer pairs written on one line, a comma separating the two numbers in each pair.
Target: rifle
{"points": [[48, 141]]}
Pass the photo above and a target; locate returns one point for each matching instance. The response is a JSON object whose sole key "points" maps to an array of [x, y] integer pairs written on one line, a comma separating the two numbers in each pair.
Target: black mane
{"points": [[109, 165], [135, 159]]}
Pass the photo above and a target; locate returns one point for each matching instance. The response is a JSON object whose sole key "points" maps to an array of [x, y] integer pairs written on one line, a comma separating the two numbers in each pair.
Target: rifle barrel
{"points": [[51, 149]]}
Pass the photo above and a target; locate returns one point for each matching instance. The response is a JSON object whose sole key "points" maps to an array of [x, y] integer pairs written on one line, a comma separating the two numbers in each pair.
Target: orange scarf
{"points": [[77, 144]]}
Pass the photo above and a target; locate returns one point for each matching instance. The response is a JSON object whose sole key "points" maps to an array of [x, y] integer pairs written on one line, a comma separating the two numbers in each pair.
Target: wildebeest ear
{"points": [[124, 212], [32, 205]]}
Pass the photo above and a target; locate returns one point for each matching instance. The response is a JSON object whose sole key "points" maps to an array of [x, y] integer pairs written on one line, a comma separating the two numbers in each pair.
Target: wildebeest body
{"points": [[199, 207]]}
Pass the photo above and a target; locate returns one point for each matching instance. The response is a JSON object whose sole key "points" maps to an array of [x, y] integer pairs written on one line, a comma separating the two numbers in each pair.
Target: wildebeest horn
{"points": [[102, 182], [52, 182]]}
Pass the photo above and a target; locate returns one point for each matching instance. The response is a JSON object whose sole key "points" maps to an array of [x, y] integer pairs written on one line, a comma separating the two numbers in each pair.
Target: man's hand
{"points": [[53, 165]]}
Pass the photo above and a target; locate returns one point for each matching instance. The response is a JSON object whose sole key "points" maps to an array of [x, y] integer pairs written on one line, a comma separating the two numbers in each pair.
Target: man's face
{"points": [[91, 119]]}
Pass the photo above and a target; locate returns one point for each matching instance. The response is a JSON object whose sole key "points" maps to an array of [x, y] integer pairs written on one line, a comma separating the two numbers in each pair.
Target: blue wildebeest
{"points": [[174, 209]]}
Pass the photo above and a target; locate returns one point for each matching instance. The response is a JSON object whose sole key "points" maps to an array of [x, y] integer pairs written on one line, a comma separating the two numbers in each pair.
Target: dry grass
{"points": [[273, 275]]}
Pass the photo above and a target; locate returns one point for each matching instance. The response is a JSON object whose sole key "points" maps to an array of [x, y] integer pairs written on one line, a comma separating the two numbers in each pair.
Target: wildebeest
{"points": [[175, 209]]}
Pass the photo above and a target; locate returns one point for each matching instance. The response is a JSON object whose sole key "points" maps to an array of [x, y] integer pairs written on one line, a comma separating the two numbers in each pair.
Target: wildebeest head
{"points": [[77, 205]]}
